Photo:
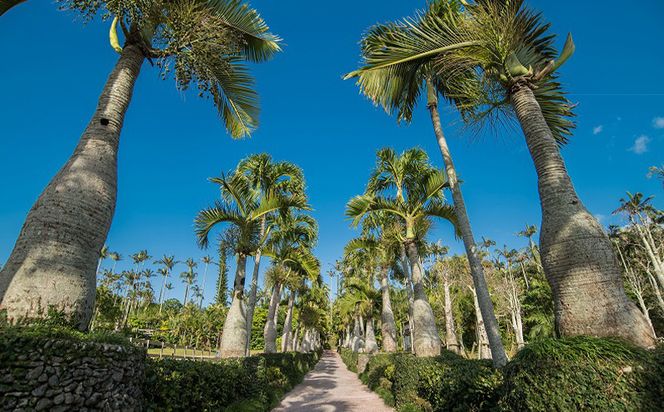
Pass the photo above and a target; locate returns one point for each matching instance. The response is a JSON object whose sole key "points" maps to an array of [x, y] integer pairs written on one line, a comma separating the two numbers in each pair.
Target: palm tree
{"points": [[221, 297], [168, 263], [510, 54], [242, 208], [267, 178], [103, 255], [206, 260], [206, 44], [399, 91], [419, 197], [188, 278], [115, 257]]}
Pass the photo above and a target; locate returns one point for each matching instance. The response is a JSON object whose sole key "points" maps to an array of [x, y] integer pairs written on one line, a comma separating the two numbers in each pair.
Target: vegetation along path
{"points": [[331, 387]]}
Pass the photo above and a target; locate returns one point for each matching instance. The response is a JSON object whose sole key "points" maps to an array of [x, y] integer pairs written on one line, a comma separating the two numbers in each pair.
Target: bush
{"points": [[349, 358], [250, 384], [584, 373]]}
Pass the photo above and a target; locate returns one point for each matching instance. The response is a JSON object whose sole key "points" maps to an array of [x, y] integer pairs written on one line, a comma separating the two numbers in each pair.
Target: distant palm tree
{"points": [[188, 278], [206, 45], [115, 257], [168, 263], [103, 254], [206, 260], [418, 197]]}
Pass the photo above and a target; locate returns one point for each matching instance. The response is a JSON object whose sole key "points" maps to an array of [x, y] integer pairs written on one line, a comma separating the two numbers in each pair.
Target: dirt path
{"points": [[330, 387]]}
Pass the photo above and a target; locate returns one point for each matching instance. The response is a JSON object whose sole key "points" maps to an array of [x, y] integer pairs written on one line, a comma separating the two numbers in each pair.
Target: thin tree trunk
{"points": [[254, 289], [463, 225], [577, 256], [657, 264], [658, 293], [450, 328], [426, 340], [234, 334], [483, 348], [54, 258], [388, 326], [200, 303], [270, 330], [286, 338], [409, 290]]}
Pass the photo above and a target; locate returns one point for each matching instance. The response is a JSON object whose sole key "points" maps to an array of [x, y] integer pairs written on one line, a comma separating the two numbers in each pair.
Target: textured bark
{"points": [[483, 349], [357, 342], [286, 337], [577, 255], [450, 329], [370, 345], [426, 340], [463, 226], [650, 247], [234, 333], [270, 330], [388, 326], [411, 299], [54, 258]]}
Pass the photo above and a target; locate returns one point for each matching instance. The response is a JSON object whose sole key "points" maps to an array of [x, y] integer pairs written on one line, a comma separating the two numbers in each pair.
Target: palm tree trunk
{"points": [[234, 334], [200, 303], [6, 5], [186, 292], [54, 258], [286, 337], [577, 256], [409, 291], [388, 326], [370, 344], [483, 348], [426, 340], [161, 293], [463, 225], [658, 293], [450, 328], [650, 248], [270, 330], [254, 289]]}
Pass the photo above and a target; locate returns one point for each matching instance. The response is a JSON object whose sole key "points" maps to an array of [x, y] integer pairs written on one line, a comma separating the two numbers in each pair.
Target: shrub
{"points": [[584, 373], [250, 384], [349, 358]]}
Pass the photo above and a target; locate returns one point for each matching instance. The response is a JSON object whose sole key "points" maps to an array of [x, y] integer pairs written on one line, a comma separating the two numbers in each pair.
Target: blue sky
{"points": [[54, 67]]}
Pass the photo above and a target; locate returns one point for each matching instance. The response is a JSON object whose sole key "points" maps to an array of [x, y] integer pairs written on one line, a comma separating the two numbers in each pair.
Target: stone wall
{"points": [[59, 375]]}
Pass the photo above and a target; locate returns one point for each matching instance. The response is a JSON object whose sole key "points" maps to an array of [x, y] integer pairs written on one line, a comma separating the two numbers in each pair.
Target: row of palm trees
{"points": [[490, 59]]}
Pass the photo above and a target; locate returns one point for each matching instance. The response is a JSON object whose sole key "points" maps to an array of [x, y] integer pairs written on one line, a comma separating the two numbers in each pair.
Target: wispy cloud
{"points": [[658, 122], [640, 145], [598, 129]]}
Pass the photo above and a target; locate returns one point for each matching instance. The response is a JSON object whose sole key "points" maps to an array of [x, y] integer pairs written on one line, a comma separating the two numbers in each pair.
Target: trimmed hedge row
{"points": [[349, 358], [255, 383], [579, 373]]}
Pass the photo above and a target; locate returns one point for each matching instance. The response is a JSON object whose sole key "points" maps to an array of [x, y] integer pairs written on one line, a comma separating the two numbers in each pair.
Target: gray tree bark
{"points": [[577, 255], [234, 333], [388, 326], [370, 344], [450, 328], [483, 348], [254, 290], [270, 330], [463, 224], [53, 261], [426, 340], [286, 337]]}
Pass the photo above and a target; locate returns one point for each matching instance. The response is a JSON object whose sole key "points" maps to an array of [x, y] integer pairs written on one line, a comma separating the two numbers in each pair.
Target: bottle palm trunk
{"points": [[426, 340], [254, 290], [463, 225], [450, 329], [54, 258], [577, 255], [286, 337], [270, 330], [234, 333], [388, 326], [370, 344]]}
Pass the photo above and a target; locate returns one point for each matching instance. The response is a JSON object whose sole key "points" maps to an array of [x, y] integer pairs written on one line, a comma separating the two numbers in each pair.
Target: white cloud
{"points": [[658, 122], [640, 144], [598, 129]]}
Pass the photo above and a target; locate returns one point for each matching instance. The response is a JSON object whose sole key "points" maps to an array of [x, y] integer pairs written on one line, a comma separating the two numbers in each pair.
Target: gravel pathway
{"points": [[330, 387]]}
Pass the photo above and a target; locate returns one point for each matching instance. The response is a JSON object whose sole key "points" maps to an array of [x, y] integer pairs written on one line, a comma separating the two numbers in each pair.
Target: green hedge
{"points": [[443, 383], [349, 358], [584, 374], [255, 383], [557, 374]]}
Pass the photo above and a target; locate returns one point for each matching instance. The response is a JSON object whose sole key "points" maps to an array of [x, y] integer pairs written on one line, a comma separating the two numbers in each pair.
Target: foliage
{"points": [[255, 383], [584, 373], [40, 331], [349, 358]]}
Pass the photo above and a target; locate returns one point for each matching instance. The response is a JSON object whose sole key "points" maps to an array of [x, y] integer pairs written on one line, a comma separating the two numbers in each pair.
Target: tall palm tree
{"points": [[188, 278], [500, 59], [206, 44], [243, 208], [103, 255], [399, 92], [115, 257], [419, 197], [168, 263], [268, 178], [206, 260]]}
